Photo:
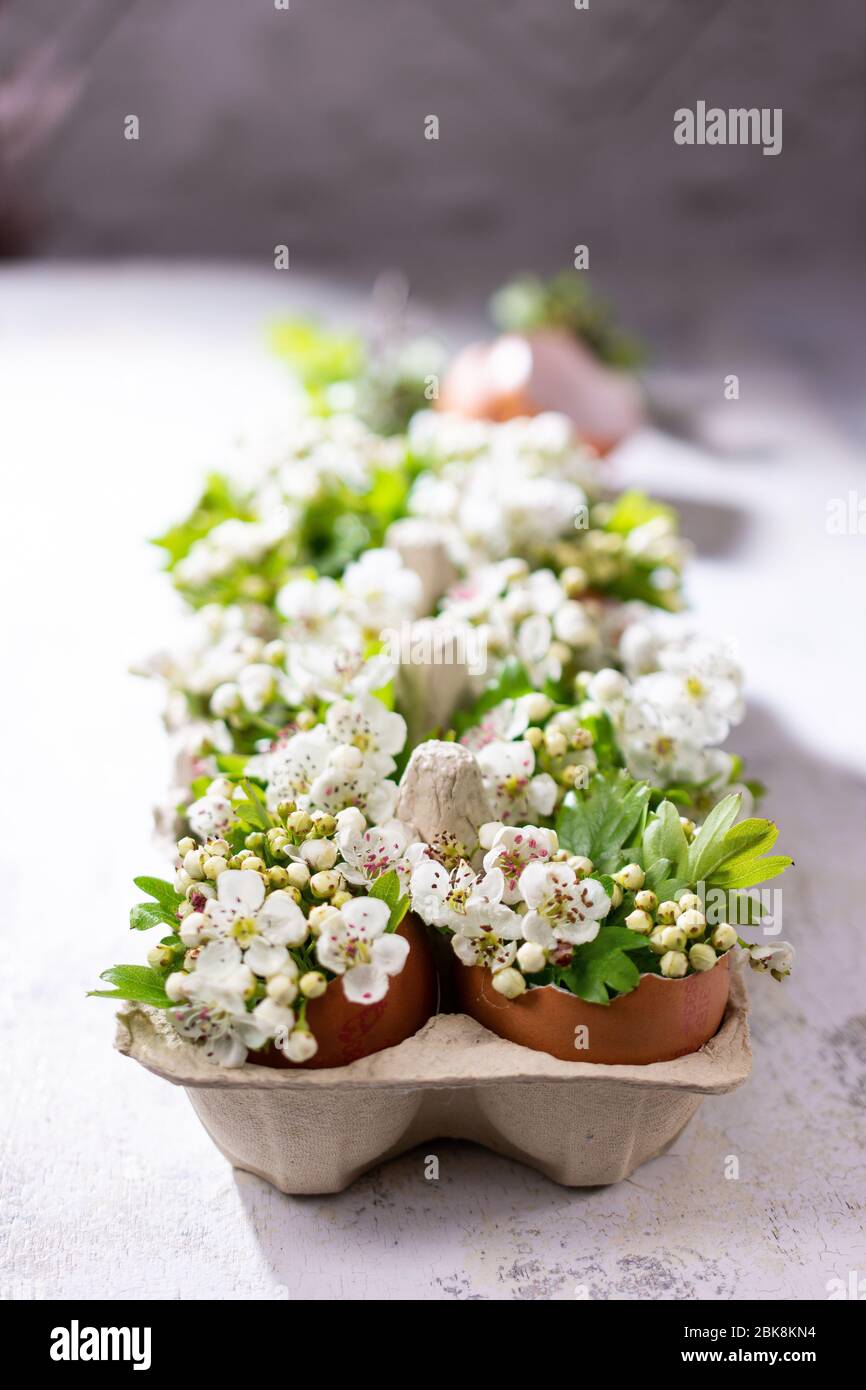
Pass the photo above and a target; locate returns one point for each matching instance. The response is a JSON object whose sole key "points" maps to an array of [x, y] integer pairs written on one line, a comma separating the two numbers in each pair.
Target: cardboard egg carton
{"points": [[579, 1123]]}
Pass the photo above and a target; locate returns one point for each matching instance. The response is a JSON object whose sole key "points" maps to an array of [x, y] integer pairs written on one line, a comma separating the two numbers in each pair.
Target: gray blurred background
{"points": [[305, 126]]}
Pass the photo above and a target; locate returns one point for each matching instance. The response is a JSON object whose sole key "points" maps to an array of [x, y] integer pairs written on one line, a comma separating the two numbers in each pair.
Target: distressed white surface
{"points": [[115, 390]]}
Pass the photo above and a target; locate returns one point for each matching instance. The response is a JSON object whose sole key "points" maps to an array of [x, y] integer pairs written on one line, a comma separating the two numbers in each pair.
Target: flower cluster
{"points": [[672, 705], [263, 919], [522, 904], [529, 489], [596, 722], [320, 499]]}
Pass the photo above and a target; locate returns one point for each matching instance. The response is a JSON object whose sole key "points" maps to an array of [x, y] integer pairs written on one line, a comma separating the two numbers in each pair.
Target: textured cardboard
{"points": [[313, 1131]]}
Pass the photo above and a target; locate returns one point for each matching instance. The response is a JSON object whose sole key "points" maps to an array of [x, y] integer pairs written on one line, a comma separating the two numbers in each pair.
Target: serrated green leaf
{"points": [[138, 983], [745, 841], [585, 980], [748, 873], [657, 874], [610, 937], [599, 821], [706, 850], [619, 972], [146, 915], [165, 893], [664, 838], [604, 964]]}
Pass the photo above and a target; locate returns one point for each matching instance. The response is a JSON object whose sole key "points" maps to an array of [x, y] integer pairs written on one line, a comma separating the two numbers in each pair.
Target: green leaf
{"points": [[599, 821], [317, 355], [657, 875], [611, 938], [706, 849], [746, 841], [619, 972], [232, 764], [138, 983], [664, 838], [146, 915], [604, 964], [633, 509], [255, 811], [387, 887], [165, 893], [747, 873]]}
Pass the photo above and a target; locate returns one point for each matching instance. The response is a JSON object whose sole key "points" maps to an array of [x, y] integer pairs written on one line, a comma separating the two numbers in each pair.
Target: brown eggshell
{"points": [[519, 374], [347, 1031], [660, 1020]]}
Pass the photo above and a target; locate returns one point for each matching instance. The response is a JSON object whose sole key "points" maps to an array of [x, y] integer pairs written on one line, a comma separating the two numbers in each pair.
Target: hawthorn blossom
{"points": [[777, 957], [367, 725], [511, 848], [562, 907], [263, 927], [516, 794], [292, 768], [459, 898], [347, 780], [212, 814], [368, 852], [380, 591], [485, 930], [353, 943], [506, 721], [312, 608], [328, 671], [212, 1005]]}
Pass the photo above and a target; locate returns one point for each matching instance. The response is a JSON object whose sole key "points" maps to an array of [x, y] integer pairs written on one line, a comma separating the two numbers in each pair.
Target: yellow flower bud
{"points": [[702, 956], [313, 984], [692, 922], [639, 921], [509, 982], [673, 965], [630, 878], [724, 937]]}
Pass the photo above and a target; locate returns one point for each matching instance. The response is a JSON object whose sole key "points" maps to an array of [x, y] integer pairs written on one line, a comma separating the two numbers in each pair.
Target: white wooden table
{"points": [[116, 388]]}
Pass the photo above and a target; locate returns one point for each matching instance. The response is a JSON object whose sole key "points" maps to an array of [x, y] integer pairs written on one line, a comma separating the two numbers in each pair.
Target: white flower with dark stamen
{"points": [[485, 929], [370, 852], [367, 725], [461, 900], [516, 793], [215, 1013], [777, 958], [342, 785], [354, 943], [261, 927], [513, 848], [562, 908]]}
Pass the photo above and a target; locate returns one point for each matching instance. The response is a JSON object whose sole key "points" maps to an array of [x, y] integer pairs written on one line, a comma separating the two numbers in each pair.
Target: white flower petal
{"points": [[390, 953], [365, 984]]}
